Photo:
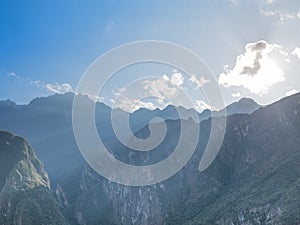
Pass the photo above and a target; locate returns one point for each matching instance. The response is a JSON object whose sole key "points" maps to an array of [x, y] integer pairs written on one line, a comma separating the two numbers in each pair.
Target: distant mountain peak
{"points": [[242, 106], [246, 99], [8, 104]]}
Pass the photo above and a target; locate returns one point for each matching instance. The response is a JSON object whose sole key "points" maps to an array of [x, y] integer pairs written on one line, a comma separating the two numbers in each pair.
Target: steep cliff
{"points": [[25, 196]]}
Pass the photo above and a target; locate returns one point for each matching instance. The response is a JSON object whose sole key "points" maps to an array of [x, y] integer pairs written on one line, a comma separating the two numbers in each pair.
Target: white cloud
{"points": [[63, 88], [266, 1], [298, 14], [161, 90], [131, 105], [290, 16], [236, 95], [296, 52], [177, 79], [254, 70], [14, 75], [118, 92], [268, 12], [291, 92], [165, 87], [201, 105], [36, 83], [198, 83], [96, 98], [59, 88]]}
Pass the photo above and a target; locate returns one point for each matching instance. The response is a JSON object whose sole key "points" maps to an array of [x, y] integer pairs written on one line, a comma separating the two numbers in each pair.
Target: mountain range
{"points": [[253, 180]]}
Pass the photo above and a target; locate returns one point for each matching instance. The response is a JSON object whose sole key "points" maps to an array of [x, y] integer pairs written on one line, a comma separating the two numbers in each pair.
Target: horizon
{"points": [[161, 109]]}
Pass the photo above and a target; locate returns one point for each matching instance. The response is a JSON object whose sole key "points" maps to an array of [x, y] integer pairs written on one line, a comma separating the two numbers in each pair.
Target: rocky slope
{"points": [[254, 179], [258, 168], [25, 197]]}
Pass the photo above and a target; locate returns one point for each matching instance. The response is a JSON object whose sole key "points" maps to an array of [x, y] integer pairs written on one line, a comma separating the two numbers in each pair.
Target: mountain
{"points": [[243, 106], [9, 105], [47, 123], [258, 168], [25, 196], [253, 180]]}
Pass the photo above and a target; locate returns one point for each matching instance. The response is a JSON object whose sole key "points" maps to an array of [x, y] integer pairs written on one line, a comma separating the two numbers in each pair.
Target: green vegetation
{"points": [[25, 197]]}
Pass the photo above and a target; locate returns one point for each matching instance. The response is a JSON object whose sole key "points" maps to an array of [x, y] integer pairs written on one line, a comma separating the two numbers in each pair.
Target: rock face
{"points": [[104, 202], [25, 196], [253, 180], [258, 168]]}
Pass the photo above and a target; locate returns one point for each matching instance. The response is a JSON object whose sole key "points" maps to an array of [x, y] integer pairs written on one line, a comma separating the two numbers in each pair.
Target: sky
{"points": [[251, 46]]}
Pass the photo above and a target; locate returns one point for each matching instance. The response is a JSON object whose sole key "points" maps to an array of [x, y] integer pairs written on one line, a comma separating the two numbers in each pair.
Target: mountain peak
{"points": [[242, 106], [24, 185], [246, 99], [8, 104], [53, 98], [16, 149]]}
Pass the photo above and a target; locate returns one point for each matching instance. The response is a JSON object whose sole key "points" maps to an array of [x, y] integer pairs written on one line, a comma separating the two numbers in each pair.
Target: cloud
{"points": [[165, 87], [298, 14], [131, 105], [201, 105], [59, 88], [268, 12], [282, 15], [291, 92], [63, 88], [14, 75], [236, 95], [177, 79], [254, 70], [109, 26], [161, 91], [198, 83], [266, 1], [96, 98], [290, 16], [296, 52], [36, 83]]}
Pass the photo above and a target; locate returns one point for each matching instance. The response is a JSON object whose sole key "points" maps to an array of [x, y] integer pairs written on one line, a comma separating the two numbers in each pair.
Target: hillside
{"points": [[25, 196], [253, 180]]}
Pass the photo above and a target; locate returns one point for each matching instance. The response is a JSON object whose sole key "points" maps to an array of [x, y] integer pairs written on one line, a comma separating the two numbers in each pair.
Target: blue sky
{"points": [[45, 46]]}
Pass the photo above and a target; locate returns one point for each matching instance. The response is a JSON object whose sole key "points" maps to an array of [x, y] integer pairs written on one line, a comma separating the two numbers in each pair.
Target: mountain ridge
{"points": [[236, 189], [68, 97]]}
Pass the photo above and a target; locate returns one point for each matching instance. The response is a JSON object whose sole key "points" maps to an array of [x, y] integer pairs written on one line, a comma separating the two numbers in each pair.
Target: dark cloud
{"points": [[256, 66], [258, 46]]}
